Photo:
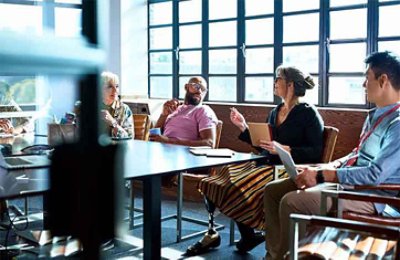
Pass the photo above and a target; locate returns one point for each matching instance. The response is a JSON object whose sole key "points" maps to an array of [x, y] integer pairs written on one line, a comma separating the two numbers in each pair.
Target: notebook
{"points": [[259, 131], [290, 167], [287, 160], [209, 152], [24, 161]]}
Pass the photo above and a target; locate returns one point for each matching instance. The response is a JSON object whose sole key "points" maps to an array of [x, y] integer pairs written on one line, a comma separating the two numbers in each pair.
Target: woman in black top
{"points": [[300, 133], [237, 190]]}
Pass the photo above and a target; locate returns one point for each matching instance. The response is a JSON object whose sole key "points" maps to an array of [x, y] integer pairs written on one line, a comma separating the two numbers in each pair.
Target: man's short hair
{"points": [[385, 63]]}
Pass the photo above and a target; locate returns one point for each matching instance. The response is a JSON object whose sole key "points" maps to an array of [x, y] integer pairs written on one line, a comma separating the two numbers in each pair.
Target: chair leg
{"points": [[179, 204], [232, 233], [26, 206], [131, 207]]}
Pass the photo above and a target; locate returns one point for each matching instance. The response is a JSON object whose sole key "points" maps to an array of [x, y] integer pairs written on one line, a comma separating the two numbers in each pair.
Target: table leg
{"points": [[152, 217]]}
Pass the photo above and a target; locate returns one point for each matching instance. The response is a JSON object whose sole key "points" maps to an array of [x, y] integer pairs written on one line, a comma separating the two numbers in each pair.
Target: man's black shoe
{"points": [[202, 246], [246, 245]]}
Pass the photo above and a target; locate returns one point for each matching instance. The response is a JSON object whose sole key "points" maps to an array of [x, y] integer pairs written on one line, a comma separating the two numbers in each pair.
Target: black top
{"points": [[302, 131]]}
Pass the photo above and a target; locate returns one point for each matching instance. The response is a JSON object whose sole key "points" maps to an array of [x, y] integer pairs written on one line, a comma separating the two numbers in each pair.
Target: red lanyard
{"points": [[364, 136]]}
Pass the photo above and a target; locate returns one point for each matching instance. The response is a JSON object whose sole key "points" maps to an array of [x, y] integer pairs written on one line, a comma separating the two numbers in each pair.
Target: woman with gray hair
{"points": [[116, 115], [238, 190]]}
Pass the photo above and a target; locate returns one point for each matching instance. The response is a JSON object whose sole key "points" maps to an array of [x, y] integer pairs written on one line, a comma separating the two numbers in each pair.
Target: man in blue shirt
{"points": [[372, 162]]}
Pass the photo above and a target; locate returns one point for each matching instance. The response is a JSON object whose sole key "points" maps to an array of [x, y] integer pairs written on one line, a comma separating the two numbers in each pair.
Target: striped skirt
{"points": [[238, 190]]}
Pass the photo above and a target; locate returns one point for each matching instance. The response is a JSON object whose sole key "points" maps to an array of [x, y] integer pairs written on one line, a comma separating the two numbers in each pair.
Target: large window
{"points": [[237, 45], [40, 94], [61, 18]]}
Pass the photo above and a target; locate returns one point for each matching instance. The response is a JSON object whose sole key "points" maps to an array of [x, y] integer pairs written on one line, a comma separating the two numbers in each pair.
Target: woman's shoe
{"points": [[247, 244], [202, 246]]}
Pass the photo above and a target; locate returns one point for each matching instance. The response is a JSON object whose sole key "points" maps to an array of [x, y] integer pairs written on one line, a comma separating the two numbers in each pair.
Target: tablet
{"points": [[259, 131], [287, 160]]}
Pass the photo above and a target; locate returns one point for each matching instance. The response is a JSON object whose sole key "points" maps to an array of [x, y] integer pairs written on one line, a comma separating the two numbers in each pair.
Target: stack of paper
{"points": [[209, 152]]}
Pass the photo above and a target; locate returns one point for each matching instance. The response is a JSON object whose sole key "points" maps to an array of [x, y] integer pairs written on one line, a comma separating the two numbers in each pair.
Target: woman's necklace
{"points": [[284, 112]]}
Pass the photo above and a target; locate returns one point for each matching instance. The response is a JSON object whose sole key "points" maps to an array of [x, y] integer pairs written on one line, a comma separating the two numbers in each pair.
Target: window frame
{"points": [[48, 22], [371, 41]]}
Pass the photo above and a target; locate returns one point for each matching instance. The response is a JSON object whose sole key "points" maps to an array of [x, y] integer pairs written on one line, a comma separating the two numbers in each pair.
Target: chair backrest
{"points": [[142, 125], [330, 135], [218, 133]]}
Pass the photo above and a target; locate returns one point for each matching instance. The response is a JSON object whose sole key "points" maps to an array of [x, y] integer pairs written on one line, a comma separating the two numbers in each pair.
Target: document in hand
{"points": [[287, 160], [209, 152], [259, 131]]}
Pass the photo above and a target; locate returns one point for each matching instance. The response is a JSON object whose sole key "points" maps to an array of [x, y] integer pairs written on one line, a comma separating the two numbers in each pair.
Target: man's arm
{"points": [[161, 121], [168, 108], [207, 139]]}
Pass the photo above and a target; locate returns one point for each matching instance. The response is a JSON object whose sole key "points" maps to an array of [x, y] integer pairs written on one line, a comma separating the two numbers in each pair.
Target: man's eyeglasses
{"points": [[196, 86]]}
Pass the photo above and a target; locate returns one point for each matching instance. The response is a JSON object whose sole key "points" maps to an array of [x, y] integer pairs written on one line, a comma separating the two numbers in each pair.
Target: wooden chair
{"points": [[142, 124], [384, 228], [366, 222], [330, 135], [333, 238], [178, 182], [382, 219]]}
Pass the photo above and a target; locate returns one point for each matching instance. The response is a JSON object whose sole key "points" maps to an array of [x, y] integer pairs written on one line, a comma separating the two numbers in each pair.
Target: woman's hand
{"points": [[108, 118], [6, 126], [170, 106], [237, 119], [270, 147]]}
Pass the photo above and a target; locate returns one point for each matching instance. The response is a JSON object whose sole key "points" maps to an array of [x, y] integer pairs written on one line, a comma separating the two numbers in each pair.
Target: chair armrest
{"points": [[380, 230], [386, 186], [349, 195]]}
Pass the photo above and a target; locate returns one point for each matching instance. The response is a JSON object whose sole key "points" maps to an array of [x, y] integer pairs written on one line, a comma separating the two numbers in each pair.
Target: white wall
{"points": [[113, 37], [134, 69]]}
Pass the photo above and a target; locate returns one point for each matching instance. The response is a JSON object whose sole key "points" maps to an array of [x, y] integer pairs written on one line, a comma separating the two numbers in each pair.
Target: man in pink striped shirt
{"points": [[191, 123]]}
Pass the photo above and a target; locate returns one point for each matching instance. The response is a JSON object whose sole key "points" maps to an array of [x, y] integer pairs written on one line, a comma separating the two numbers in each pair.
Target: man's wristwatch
{"points": [[320, 177]]}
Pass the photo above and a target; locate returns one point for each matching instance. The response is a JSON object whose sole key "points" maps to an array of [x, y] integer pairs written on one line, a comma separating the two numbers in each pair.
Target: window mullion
{"points": [[205, 42], [175, 49], [278, 38], [323, 53], [372, 26], [240, 80], [49, 15]]}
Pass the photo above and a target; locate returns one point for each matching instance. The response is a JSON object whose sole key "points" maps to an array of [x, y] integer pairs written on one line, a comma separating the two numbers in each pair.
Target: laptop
{"points": [[24, 161]]}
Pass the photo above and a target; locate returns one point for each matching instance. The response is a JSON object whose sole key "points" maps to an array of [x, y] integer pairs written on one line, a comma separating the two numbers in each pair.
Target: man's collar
{"points": [[378, 111]]}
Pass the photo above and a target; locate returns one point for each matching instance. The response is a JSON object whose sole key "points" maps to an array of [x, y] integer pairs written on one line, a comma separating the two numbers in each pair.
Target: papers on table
{"points": [[4, 135], [209, 152]]}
